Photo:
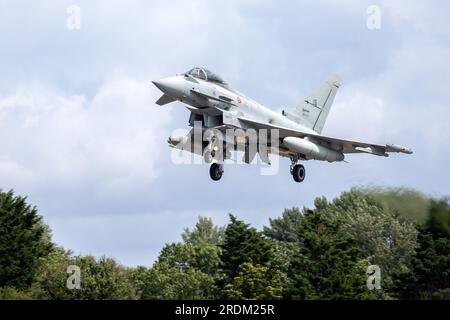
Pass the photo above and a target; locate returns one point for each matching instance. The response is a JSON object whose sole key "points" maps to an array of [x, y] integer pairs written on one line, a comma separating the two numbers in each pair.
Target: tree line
{"points": [[310, 253]]}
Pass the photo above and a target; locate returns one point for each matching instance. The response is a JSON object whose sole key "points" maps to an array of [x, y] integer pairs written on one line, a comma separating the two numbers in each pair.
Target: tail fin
{"points": [[312, 112]]}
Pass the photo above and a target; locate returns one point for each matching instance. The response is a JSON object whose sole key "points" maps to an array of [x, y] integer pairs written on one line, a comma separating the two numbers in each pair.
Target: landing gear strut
{"points": [[216, 171], [209, 155], [297, 170], [212, 151]]}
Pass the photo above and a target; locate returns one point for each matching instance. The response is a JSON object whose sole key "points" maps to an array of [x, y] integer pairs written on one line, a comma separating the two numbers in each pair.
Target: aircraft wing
{"points": [[349, 146], [344, 146]]}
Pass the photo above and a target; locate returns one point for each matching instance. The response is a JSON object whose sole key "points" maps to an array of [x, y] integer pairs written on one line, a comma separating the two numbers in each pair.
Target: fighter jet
{"points": [[215, 105]]}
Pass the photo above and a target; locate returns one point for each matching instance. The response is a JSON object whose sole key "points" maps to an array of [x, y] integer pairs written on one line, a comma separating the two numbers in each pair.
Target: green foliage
{"points": [[438, 222], [285, 228], [281, 255], [429, 276], [168, 282], [101, 279], [382, 236], [184, 271], [408, 203], [187, 270], [303, 254], [326, 265], [255, 282], [242, 244], [442, 294], [139, 277], [204, 257], [204, 232], [9, 293], [24, 238]]}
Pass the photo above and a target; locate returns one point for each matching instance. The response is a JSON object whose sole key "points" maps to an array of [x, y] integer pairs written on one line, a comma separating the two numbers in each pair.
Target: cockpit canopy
{"points": [[205, 74]]}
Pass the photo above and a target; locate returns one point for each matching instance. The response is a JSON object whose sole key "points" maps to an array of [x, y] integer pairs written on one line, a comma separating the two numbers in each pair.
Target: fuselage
{"points": [[186, 88]]}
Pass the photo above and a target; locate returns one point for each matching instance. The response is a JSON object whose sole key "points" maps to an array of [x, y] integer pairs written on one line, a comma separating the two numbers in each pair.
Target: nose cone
{"points": [[172, 86], [162, 84]]}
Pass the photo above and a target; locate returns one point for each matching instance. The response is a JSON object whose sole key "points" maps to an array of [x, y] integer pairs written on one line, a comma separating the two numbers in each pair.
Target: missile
{"points": [[312, 150], [396, 148]]}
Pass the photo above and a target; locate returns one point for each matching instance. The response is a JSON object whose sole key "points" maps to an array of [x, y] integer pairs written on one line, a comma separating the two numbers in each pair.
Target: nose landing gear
{"points": [[208, 155], [212, 151], [216, 171]]}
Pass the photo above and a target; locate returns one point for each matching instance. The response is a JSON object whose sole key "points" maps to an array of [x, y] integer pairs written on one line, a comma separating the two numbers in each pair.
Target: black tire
{"points": [[216, 171], [298, 173]]}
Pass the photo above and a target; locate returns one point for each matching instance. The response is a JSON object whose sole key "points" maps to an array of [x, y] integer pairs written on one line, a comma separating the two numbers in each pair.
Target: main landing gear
{"points": [[297, 170], [216, 171]]}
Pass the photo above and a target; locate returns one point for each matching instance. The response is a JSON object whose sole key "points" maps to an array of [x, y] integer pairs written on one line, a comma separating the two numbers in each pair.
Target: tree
{"points": [[429, 276], [204, 257], [326, 266], [285, 227], [383, 237], [204, 232], [140, 277], [24, 239], [441, 294], [100, 279], [168, 282], [408, 203], [184, 271], [255, 282], [242, 244], [9, 293], [282, 253]]}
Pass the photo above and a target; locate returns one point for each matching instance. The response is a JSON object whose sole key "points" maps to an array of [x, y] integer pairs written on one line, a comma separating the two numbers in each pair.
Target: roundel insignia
{"points": [[239, 100]]}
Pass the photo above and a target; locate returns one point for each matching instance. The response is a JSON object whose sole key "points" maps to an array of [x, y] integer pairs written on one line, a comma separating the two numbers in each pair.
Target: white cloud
{"points": [[87, 144], [405, 103], [109, 142]]}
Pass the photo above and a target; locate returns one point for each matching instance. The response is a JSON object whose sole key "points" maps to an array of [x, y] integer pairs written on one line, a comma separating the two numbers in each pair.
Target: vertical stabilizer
{"points": [[312, 111]]}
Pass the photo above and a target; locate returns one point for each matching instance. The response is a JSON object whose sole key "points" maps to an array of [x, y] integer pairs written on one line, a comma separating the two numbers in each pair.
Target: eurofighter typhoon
{"points": [[218, 109]]}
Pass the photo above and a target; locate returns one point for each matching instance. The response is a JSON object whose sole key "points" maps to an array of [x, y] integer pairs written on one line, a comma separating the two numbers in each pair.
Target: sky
{"points": [[81, 136]]}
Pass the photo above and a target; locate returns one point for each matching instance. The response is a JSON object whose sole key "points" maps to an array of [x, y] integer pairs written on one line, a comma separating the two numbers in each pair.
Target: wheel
{"points": [[208, 155], [298, 173], [216, 171]]}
